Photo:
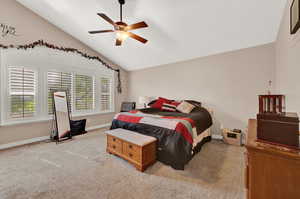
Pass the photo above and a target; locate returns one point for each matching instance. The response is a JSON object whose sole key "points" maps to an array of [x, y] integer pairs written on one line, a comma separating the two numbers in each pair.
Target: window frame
{"points": [[75, 111], [35, 94], [47, 88], [111, 89], [41, 97]]}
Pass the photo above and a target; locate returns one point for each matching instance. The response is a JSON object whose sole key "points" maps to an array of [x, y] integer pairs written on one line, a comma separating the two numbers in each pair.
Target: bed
{"points": [[180, 136]]}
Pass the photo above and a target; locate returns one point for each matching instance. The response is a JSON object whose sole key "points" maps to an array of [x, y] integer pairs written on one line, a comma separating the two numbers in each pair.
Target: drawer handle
{"points": [[130, 155], [114, 146], [130, 146], [114, 139]]}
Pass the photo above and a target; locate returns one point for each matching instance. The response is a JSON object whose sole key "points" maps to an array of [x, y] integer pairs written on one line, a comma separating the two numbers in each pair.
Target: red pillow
{"points": [[158, 104], [175, 103]]}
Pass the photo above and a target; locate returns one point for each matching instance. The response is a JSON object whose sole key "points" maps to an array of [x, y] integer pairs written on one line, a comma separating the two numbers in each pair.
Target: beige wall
{"points": [[30, 27], [228, 83], [288, 63]]}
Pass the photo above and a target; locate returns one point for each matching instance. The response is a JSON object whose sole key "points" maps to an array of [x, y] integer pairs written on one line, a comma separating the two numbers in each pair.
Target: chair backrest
{"points": [[127, 106]]}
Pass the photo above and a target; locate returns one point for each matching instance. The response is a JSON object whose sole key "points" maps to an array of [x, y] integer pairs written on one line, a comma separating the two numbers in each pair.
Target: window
{"points": [[58, 80], [105, 98], [28, 77], [84, 93], [22, 92]]}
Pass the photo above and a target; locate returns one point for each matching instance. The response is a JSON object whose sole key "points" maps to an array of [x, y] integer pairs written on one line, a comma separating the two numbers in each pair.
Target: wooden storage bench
{"points": [[138, 149]]}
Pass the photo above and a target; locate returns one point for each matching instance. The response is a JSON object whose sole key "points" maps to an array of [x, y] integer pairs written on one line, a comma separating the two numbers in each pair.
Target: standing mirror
{"points": [[61, 113]]}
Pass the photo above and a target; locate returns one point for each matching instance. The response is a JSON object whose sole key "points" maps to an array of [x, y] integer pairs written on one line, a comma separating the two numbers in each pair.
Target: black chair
{"points": [[127, 106]]}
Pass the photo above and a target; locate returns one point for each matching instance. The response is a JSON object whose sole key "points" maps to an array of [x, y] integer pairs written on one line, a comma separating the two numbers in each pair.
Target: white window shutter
{"points": [[106, 94], [22, 92], [84, 92], [59, 80]]}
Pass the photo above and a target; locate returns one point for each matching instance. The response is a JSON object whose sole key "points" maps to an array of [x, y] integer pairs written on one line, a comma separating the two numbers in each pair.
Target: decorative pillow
{"points": [[185, 107], [152, 102], [175, 103], [158, 104], [168, 107], [195, 103]]}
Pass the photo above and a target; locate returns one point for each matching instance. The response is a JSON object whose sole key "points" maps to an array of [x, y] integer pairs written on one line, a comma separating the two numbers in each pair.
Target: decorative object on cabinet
{"points": [[271, 171], [138, 149], [271, 103], [233, 137], [295, 16]]}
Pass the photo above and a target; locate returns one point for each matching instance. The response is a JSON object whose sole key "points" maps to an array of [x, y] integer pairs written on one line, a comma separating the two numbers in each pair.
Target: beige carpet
{"points": [[82, 169]]}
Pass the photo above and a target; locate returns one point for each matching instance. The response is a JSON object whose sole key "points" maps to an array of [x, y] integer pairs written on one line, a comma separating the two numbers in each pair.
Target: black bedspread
{"points": [[172, 147], [200, 115]]}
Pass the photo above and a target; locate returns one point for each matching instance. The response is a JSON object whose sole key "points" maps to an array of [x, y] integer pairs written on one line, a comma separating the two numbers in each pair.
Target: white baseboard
{"points": [[98, 127], [217, 137], [23, 142], [44, 138]]}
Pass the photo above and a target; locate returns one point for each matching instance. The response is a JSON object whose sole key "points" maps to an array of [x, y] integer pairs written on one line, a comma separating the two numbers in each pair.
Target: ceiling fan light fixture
{"points": [[122, 35], [121, 28]]}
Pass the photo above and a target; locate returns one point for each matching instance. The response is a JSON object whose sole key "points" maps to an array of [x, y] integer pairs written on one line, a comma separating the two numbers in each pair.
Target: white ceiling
{"points": [[178, 29]]}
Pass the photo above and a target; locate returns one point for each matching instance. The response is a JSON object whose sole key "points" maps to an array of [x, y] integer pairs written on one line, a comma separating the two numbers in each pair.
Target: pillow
{"points": [[152, 102], [175, 103], [195, 103], [158, 104], [168, 107], [185, 107]]}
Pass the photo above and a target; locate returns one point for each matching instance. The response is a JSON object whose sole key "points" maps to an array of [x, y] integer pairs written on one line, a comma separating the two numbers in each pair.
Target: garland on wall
{"points": [[72, 50]]}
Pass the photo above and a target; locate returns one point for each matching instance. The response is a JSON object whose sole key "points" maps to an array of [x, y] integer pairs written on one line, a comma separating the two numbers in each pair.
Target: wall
{"points": [[30, 27], [288, 62], [228, 83]]}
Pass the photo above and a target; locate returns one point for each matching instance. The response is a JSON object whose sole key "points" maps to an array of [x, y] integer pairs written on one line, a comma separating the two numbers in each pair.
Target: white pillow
{"points": [[185, 107]]}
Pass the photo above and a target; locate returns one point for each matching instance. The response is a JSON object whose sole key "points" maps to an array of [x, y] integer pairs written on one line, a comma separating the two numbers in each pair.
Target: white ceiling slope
{"points": [[178, 29]]}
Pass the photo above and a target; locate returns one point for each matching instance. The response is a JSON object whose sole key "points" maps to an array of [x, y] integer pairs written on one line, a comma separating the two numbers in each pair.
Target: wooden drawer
{"points": [[132, 151], [114, 144]]}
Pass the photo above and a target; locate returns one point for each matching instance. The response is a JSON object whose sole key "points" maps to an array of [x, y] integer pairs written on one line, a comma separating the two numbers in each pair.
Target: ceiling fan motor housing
{"points": [[122, 2], [121, 26]]}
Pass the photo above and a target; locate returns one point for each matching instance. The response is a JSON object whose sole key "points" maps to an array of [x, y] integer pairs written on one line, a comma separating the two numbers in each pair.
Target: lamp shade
{"points": [[144, 99]]}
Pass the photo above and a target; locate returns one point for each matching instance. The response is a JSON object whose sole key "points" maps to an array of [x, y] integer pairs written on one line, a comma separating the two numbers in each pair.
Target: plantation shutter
{"points": [[56, 81], [84, 92], [22, 91], [105, 98]]}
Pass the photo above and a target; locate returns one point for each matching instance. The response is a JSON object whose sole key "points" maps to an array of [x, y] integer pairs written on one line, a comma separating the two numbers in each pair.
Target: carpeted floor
{"points": [[82, 169]]}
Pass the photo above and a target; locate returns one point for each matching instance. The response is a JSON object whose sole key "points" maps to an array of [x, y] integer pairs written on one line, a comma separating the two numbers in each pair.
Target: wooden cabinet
{"points": [[138, 149], [272, 172]]}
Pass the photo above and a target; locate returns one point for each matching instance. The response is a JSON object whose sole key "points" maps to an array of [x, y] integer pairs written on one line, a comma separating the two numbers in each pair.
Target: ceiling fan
{"points": [[121, 28]]}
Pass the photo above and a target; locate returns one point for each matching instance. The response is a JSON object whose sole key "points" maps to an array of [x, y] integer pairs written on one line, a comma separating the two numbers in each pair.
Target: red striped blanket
{"points": [[181, 125]]}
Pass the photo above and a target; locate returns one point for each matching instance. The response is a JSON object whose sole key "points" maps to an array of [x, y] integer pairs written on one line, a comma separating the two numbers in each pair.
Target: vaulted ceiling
{"points": [[178, 29]]}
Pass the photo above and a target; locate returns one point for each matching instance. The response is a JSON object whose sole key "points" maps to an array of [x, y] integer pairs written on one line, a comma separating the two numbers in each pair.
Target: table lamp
{"points": [[144, 100]]}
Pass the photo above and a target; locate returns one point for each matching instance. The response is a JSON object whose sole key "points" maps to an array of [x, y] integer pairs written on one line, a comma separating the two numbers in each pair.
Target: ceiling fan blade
{"points": [[100, 31], [118, 42], [106, 18], [136, 26], [134, 36]]}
